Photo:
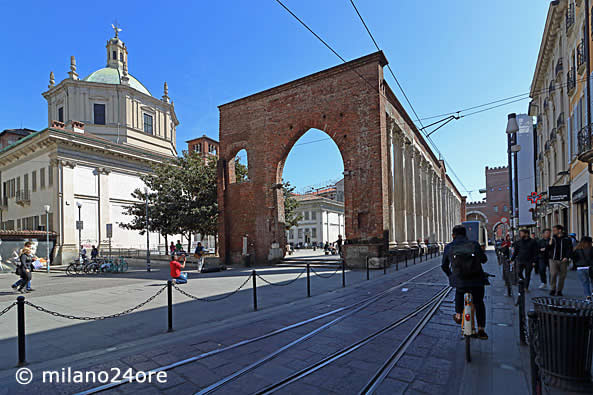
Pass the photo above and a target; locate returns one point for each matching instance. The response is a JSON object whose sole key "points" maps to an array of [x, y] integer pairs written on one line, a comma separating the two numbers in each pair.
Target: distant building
{"points": [[205, 146], [493, 211], [11, 136], [322, 221]]}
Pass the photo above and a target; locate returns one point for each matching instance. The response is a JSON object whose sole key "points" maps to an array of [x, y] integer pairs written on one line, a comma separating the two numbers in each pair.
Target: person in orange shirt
{"points": [[176, 266]]}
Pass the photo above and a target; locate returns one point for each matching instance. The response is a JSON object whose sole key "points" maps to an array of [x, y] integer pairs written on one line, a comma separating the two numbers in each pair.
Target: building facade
{"points": [[493, 210], [104, 132], [205, 146], [322, 220], [562, 107]]}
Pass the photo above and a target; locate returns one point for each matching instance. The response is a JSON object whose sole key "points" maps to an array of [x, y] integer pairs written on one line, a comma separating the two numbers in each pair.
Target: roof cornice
{"points": [[553, 25]]}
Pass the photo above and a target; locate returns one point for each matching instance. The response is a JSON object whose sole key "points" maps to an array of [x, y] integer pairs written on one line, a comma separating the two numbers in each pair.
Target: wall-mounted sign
{"points": [[534, 197], [580, 195], [559, 193]]}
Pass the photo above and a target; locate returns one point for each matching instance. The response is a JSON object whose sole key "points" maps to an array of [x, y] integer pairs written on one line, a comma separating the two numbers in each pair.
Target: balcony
{"points": [[560, 121], [540, 156], [546, 103], [570, 17], [4, 201], [547, 146], [553, 134], [571, 81], [581, 57], [559, 67], [551, 87], [585, 147], [23, 197]]}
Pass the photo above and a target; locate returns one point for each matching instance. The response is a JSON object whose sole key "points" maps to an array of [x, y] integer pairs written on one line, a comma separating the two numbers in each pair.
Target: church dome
{"points": [[111, 75]]}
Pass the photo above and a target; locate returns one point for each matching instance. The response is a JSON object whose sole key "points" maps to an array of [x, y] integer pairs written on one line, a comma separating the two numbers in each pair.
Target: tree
{"points": [[291, 217], [241, 171], [182, 198]]}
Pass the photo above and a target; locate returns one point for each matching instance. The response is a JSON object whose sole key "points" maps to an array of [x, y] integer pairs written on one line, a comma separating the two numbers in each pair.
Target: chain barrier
{"points": [[7, 309], [285, 283], [212, 299], [73, 317], [325, 275]]}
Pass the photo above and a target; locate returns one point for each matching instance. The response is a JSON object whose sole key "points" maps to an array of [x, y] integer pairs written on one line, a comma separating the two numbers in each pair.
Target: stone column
{"points": [[411, 170], [418, 181], [427, 200], [400, 187], [431, 202], [390, 188]]}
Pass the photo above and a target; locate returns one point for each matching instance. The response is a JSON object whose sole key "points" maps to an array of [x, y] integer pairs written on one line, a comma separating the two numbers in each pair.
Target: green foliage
{"points": [[182, 198], [241, 171], [291, 217]]}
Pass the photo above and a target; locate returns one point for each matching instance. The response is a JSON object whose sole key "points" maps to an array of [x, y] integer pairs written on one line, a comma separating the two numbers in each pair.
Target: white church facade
{"points": [[104, 132]]}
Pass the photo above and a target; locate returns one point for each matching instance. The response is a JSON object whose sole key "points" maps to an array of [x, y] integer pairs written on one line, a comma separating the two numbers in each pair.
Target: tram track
{"points": [[347, 311]]}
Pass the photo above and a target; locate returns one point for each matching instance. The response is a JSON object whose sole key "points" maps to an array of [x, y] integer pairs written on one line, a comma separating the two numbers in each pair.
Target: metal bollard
{"points": [[406, 259], [20, 309], [253, 274], [343, 275], [368, 274], [308, 280], [385, 266], [521, 303], [414, 256], [536, 382], [170, 305]]}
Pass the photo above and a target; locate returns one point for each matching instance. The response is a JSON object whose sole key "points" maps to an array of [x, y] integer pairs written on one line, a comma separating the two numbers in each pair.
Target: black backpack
{"points": [[464, 262]]}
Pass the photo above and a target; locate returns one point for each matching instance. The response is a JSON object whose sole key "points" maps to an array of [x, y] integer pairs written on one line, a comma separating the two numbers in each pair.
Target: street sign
{"points": [[79, 225], [504, 220], [559, 193], [534, 197], [109, 231]]}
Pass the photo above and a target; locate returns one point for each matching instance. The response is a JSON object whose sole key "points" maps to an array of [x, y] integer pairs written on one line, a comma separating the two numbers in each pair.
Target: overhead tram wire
{"points": [[407, 99]]}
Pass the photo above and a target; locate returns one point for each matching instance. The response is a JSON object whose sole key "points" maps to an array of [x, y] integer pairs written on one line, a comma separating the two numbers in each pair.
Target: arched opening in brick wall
{"points": [[314, 167], [500, 230], [241, 167]]}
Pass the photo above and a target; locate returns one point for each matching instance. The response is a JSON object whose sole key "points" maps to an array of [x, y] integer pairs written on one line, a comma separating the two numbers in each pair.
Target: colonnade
{"points": [[423, 205]]}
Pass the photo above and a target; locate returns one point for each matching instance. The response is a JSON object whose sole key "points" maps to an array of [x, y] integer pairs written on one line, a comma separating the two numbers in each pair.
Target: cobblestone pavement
{"points": [[433, 364]]}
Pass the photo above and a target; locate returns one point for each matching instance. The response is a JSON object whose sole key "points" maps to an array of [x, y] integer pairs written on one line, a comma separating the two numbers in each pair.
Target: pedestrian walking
{"points": [[94, 252], [583, 260], [543, 258], [24, 270], [339, 244], [561, 250], [525, 254], [178, 247], [172, 249]]}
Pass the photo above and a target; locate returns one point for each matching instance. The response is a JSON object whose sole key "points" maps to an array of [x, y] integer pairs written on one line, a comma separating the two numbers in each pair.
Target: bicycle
{"points": [[468, 323]]}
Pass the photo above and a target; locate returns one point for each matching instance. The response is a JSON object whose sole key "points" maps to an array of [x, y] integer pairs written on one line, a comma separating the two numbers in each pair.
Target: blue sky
{"points": [[447, 56]]}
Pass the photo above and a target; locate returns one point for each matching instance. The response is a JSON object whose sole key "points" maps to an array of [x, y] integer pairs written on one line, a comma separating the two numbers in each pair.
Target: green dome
{"points": [[110, 75]]}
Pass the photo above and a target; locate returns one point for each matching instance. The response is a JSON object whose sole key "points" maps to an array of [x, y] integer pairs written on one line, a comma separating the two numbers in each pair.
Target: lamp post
{"points": [[147, 234], [512, 129], [47, 208], [79, 226]]}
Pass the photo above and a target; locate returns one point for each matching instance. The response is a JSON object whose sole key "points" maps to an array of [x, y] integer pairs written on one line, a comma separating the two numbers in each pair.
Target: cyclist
{"points": [[462, 263]]}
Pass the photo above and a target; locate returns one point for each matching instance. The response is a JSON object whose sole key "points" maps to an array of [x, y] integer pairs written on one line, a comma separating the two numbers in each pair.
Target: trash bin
{"points": [[563, 340]]}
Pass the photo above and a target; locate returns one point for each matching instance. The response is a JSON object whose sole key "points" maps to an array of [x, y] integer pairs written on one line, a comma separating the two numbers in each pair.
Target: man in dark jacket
{"points": [[543, 258], [525, 254], [560, 251], [473, 285]]}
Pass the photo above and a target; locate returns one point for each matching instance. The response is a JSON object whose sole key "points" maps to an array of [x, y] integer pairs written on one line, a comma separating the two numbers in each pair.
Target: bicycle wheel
{"points": [[70, 271], [468, 356]]}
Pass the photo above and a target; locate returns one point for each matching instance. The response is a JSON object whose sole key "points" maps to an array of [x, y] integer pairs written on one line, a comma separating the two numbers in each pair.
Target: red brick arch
{"points": [[346, 103]]}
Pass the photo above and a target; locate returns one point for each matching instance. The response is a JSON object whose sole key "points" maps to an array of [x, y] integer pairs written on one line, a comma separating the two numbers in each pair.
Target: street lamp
{"points": [[79, 226], [512, 129], [47, 208], [147, 234]]}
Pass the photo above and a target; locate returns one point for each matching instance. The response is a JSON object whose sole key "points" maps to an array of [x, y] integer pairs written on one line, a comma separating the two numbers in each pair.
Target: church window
{"points": [[42, 178], [99, 111], [495, 209], [61, 114], [198, 148], [121, 56], [147, 124], [114, 55], [212, 149]]}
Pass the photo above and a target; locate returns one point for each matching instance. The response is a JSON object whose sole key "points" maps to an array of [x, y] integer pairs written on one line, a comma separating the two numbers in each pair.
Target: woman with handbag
{"points": [[583, 260]]}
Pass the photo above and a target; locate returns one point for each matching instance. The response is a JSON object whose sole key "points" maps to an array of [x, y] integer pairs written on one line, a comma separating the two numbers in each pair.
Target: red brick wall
{"points": [[337, 101], [497, 195]]}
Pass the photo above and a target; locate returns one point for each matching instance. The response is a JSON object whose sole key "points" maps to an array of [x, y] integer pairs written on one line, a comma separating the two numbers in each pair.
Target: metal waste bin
{"points": [[563, 342]]}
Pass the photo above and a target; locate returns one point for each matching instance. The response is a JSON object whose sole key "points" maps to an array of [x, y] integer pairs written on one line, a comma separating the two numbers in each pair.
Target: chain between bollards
{"points": [[20, 309], [308, 280], [170, 305], [254, 290]]}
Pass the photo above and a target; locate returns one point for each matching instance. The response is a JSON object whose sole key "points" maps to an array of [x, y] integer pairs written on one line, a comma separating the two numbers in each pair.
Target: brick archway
{"points": [[340, 101], [397, 193]]}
